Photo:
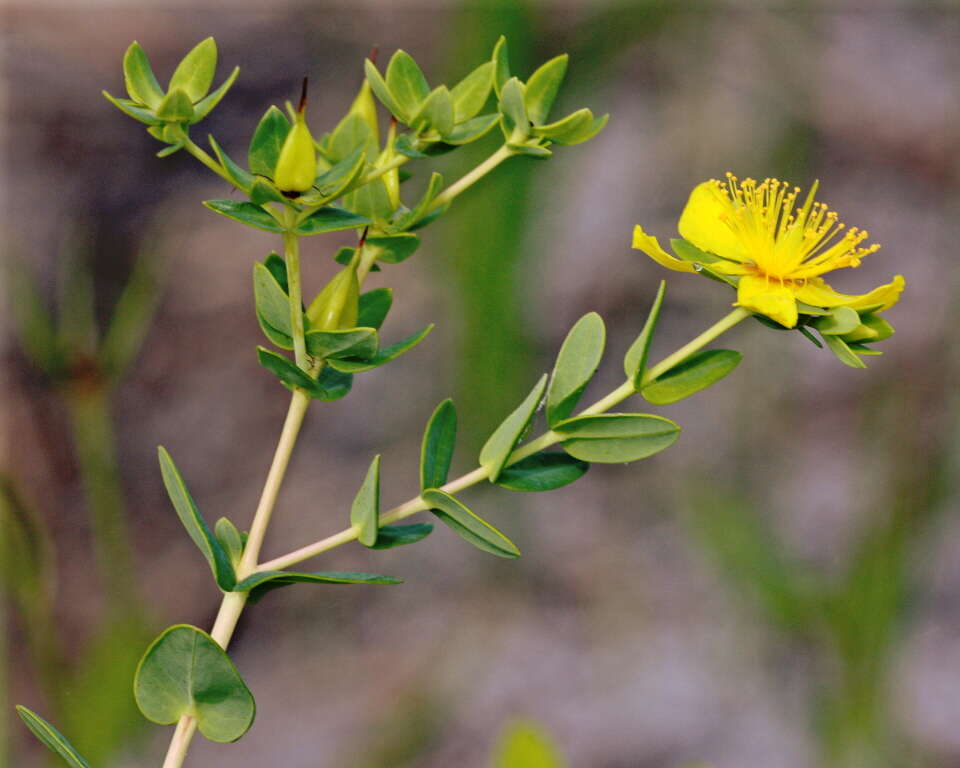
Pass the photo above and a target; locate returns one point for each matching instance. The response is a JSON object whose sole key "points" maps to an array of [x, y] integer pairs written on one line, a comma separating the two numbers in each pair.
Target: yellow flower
{"points": [[774, 250]]}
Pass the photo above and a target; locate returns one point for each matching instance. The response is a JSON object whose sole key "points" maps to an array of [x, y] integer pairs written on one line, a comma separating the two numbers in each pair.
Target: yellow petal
{"points": [[649, 245], [702, 225], [769, 298], [817, 293]]}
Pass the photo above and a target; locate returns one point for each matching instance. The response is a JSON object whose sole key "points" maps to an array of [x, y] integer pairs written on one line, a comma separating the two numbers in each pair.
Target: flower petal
{"points": [[817, 293], [649, 245], [776, 301], [702, 222]]}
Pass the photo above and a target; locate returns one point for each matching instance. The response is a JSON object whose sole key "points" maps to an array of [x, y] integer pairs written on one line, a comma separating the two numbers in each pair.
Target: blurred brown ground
{"points": [[616, 630]]}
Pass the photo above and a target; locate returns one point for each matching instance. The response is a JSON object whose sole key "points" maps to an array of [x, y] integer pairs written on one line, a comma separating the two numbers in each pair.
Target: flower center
{"points": [[784, 242]]}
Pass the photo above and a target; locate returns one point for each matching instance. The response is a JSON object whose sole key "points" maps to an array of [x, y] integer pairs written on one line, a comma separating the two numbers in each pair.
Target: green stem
{"points": [[233, 603], [376, 173], [479, 474], [291, 253], [471, 178], [201, 155]]}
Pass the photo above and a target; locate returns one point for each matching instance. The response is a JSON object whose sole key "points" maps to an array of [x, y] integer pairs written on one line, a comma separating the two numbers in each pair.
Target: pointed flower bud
{"points": [[297, 165], [337, 305]]}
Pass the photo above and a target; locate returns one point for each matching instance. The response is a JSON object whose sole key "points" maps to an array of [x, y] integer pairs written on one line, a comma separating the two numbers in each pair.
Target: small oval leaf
{"points": [[185, 672], [542, 471], [436, 450], [542, 88], [374, 306], [194, 74], [142, 85], [692, 375], [576, 363], [610, 438], [246, 213], [272, 306], [468, 525], [399, 535], [330, 219], [267, 141], [497, 449]]}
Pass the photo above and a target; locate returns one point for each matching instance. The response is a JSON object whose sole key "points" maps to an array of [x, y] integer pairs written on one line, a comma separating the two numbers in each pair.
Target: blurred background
{"points": [[779, 589]]}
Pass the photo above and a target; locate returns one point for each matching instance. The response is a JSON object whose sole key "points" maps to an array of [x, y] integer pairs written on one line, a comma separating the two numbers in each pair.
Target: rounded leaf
{"points": [[185, 672]]}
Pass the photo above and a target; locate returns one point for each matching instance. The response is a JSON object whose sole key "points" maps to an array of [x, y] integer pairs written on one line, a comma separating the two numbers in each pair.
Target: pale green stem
{"points": [[233, 602], [376, 173], [291, 253], [200, 154], [471, 178], [479, 474]]}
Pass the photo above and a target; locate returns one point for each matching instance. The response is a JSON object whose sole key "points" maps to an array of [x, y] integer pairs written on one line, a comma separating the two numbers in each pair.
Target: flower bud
{"points": [[337, 305], [297, 165]]}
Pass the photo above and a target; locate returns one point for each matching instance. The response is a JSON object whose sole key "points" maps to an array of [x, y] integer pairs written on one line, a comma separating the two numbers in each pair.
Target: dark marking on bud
{"points": [[303, 96]]}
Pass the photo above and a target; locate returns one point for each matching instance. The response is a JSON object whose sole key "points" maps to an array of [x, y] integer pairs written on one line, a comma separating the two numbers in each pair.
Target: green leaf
{"points": [[185, 672], [435, 114], [392, 249], [513, 113], [611, 438], [333, 182], [267, 141], [406, 83], [423, 207], [542, 88], [272, 307], [571, 126], [133, 110], [689, 252], [497, 449], [262, 191], [872, 328], [246, 213], [194, 74], [205, 106], [501, 65], [380, 88], [176, 107], [576, 363], [635, 361], [399, 535], [330, 219], [350, 342], [348, 364], [351, 136], [167, 151], [531, 148], [278, 268], [472, 130], [374, 306], [34, 323], [471, 93], [365, 512], [524, 744], [436, 449], [584, 132], [266, 581], [467, 525], [542, 471], [840, 321], [843, 352], [331, 385], [51, 737], [230, 539], [240, 176], [697, 372], [141, 83], [196, 527], [286, 370]]}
